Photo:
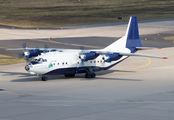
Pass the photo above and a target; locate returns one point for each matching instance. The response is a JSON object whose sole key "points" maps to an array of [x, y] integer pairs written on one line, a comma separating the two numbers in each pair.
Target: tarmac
{"points": [[137, 88]]}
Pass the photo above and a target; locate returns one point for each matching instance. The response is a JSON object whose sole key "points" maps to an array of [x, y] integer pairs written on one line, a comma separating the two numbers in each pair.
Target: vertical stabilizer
{"points": [[131, 39], [132, 34]]}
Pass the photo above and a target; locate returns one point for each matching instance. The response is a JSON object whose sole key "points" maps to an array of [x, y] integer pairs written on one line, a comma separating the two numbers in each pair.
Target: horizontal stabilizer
{"points": [[146, 48]]}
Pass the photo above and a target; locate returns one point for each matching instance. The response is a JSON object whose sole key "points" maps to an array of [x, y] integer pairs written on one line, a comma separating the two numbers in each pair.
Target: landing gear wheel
{"points": [[44, 78], [87, 75], [93, 75]]}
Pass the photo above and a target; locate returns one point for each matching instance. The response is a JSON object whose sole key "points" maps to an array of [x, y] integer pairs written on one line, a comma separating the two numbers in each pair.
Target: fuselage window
{"points": [[94, 61], [66, 62], [91, 61], [44, 60], [63, 63], [57, 63]]}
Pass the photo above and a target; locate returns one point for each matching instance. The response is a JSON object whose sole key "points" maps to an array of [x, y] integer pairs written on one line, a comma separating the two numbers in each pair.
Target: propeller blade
{"points": [[45, 48], [82, 61], [24, 45], [82, 48], [27, 58]]}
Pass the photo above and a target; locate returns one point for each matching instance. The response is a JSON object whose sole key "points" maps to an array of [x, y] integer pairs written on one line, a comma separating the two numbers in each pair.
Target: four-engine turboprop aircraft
{"points": [[70, 62]]}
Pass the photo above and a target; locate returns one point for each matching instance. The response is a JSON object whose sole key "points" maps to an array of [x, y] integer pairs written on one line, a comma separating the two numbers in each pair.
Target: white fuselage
{"points": [[66, 60]]}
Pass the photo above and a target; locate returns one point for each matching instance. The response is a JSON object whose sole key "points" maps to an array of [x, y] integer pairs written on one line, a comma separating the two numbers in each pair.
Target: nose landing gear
{"points": [[44, 78]]}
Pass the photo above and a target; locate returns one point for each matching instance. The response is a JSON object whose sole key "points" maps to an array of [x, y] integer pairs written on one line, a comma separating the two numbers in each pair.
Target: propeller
{"points": [[82, 60], [24, 45], [26, 54], [45, 48]]}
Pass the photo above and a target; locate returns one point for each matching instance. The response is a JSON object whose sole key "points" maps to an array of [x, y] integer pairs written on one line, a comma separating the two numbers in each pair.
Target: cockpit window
{"points": [[37, 61], [44, 60]]}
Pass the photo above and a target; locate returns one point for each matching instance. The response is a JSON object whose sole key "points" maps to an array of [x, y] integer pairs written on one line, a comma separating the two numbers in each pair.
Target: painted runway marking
{"points": [[4, 47], [144, 65], [62, 43], [73, 44], [40, 40], [133, 68]]}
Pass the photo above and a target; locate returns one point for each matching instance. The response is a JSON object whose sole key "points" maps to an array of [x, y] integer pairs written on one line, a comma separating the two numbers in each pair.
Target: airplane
{"points": [[74, 61]]}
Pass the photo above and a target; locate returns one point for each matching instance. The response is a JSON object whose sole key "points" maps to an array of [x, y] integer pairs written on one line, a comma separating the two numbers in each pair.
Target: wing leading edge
{"points": [[129, 54]]}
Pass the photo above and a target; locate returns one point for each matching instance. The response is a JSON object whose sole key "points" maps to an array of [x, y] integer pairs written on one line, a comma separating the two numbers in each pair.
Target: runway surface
{"points": [[137, 88]]}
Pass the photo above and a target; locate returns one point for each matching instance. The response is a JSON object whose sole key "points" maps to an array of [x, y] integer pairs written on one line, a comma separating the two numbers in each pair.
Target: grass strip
{"points": [[169, 38], [51, 13], [6, 60]]}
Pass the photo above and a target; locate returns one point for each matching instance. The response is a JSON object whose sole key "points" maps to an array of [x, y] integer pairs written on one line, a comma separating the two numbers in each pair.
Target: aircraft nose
{"points": [[27, 67]]}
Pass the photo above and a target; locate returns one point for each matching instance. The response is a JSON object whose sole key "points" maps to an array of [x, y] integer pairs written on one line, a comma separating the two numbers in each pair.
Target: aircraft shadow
{"points": [[112, 71], [34, 78], [106, 78], [15, 73]]}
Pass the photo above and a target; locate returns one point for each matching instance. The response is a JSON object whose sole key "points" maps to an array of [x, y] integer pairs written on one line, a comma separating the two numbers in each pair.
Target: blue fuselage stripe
{"points": [[75, 70]]}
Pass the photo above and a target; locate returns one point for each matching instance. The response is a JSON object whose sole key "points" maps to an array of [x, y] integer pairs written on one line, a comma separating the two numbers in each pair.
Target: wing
{"points": [[40, 49], [32, 52], [129, 54]]}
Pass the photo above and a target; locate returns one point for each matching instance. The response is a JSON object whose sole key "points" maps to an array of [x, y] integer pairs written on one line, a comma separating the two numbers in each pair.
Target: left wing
{"points": [[129, 54], [40, 49], [32, 52]]}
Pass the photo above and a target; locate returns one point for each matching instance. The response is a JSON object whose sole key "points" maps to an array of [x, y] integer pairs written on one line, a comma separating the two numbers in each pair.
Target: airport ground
{"points": [[137, 88]]}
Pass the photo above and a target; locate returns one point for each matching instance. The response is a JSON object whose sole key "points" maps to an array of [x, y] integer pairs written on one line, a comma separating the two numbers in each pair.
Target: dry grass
{"points": [[5, 60], [169, 38], [51, 13]]}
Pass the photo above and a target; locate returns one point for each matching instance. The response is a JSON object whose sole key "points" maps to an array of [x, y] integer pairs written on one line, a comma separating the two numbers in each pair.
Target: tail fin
{"points": [[132, 34], [131, 39]]}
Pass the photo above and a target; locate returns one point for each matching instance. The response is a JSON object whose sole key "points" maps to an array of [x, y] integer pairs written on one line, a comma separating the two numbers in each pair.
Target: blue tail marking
{"points": [[133, 39]]}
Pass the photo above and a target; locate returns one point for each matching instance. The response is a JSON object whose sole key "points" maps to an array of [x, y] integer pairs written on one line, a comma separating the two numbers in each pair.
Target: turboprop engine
{"points": [[31, 53], [88, 56], [111, 57]]}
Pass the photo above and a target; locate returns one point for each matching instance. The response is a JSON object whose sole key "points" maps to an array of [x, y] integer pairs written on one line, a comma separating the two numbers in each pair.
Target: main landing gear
{"points": [[89, 73], [44, 78]]}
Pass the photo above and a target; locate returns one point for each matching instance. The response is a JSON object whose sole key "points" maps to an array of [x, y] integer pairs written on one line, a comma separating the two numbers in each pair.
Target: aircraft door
{"points": [[78, 62]]}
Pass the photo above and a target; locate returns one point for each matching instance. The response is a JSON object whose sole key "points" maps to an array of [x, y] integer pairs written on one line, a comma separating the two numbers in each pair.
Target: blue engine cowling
{"points": [[32, 53], [112, 57], [89, 56]]}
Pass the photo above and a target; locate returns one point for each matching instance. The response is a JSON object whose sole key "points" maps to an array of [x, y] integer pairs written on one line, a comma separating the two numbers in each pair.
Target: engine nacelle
{"points": [[32, 53], [112, 57], [88, 56]]}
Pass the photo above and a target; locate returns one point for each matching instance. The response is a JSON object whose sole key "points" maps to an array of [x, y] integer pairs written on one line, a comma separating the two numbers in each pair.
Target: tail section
{"points": [[131, 39], [132, 34]]}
